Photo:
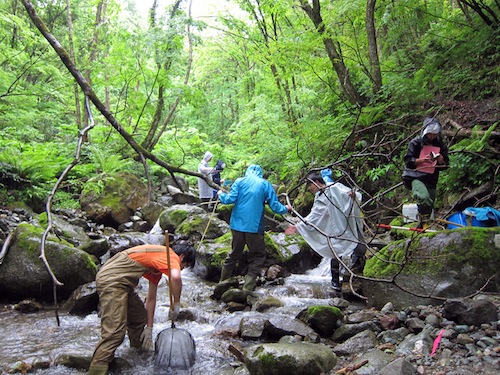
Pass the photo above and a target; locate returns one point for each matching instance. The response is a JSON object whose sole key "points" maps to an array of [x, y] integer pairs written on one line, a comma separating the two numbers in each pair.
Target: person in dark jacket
{"points": [[249, 194], [426, 156], [219, 167]]}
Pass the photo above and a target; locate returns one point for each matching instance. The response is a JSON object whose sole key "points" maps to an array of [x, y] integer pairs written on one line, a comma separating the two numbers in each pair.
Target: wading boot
{"points": [[98, 370], [423, 221], [249, 284], [225, 274], [336, 284]]}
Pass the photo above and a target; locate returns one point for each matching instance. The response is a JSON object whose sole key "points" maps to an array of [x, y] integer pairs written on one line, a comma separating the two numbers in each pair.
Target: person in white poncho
{"points": [[335, 214], [205, 191]]}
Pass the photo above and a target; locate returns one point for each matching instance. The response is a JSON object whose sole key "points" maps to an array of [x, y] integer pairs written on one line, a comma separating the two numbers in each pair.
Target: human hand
{"points": [[147, 338], [173, 313]]}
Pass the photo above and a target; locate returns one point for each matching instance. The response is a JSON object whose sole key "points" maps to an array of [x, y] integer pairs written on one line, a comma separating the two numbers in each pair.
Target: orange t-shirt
{"points": [[156, 261]]}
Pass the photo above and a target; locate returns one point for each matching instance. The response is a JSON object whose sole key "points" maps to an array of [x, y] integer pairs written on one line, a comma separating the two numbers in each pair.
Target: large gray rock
{"points": [[279, 326], [430, 268], [285, 359], [360, 342], [24, 275], [115, 199], [75, 235], [470, 312]]}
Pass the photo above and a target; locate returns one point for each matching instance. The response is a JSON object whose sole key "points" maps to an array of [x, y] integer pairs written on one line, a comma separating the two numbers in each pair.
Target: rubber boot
{"points": [[98, 370], [249, 284], [336, 285], [225, 274], [423, 221]]}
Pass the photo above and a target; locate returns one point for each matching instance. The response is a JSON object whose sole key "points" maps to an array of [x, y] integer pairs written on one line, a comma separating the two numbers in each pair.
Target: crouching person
{"points": [[121, 308]]}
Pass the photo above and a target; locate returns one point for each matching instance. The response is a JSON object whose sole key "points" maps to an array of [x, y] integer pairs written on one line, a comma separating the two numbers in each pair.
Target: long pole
{"points": [[420, 230]]}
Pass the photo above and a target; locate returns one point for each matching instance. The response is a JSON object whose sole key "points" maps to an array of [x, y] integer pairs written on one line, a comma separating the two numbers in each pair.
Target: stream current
{"points": [[34, 338]]}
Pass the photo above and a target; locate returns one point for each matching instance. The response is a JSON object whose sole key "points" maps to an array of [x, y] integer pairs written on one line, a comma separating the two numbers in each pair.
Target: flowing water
{"points": [[35, 338]]}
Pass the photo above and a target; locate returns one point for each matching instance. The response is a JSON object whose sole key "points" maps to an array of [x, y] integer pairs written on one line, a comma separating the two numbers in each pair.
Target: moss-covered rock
{"points": [[323, 319], [434, 266], [113, 199], [24, 275], [285, 359]]}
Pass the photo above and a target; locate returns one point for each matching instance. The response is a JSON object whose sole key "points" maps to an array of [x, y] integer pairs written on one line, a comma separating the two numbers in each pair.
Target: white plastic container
{"points": [[410, 212]]}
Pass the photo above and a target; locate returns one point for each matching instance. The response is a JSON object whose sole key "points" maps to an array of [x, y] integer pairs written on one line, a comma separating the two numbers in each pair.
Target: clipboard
{"points": [[429, 166]]}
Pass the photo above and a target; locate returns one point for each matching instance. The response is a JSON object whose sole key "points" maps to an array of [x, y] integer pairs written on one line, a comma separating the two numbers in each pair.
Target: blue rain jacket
{"points": [[249, 195]]}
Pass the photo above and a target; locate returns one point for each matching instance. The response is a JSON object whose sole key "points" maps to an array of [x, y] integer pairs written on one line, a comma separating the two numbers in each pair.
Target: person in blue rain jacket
{"points": [[249, 194]]}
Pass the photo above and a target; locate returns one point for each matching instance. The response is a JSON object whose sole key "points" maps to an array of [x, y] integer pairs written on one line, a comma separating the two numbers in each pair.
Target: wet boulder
{"points": [[448, 264], [252, 327], [267, 303], [114, 199], [470, 312], [323, 319], [284, 359], [279, 326], [24, 275], [83, 300]]}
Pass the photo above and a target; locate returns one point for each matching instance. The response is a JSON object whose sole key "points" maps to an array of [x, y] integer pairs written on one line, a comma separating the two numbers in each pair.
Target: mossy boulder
{"points": [[284, 359], [75, 235], [430, 268], [173, 216], [114, 198], [203, 225], [323, 319], [24, 275]]}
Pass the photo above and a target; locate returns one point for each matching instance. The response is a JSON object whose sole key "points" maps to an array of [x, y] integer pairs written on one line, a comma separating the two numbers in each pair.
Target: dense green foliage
{"points": [[259, 86]]}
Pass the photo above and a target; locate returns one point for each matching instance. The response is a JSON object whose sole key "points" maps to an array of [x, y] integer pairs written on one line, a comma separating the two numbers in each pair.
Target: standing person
{"points": [[219, 167], [425, 157], [337, 214], [121, 308], [205, 191], [249, 195]]}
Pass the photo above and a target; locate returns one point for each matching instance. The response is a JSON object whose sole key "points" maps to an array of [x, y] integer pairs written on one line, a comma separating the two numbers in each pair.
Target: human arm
{"points": [[231, 196], [203, 167], [151, 303], [147, 333], [272, 200], [412, 154], [443, 160], [176, 289]]}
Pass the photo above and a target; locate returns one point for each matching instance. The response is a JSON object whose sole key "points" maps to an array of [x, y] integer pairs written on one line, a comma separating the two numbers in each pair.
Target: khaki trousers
{"points": [[121, 307]]}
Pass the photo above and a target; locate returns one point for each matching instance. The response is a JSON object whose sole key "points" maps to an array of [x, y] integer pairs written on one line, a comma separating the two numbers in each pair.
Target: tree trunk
{"points": [[332, 50], [100, 16], [375, 73], [72, 56]]}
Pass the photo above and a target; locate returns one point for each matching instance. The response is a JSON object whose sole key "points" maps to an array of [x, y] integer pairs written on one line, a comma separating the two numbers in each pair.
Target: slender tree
{"points": [[333, 51], [375, 72]]}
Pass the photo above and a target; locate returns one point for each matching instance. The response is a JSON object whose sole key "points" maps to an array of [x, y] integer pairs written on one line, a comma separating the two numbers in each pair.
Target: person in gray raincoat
{"points": [[335, 215]]}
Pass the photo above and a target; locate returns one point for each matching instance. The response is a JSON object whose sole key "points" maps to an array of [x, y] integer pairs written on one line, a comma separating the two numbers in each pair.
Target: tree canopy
{"points": [[291, 85]]}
